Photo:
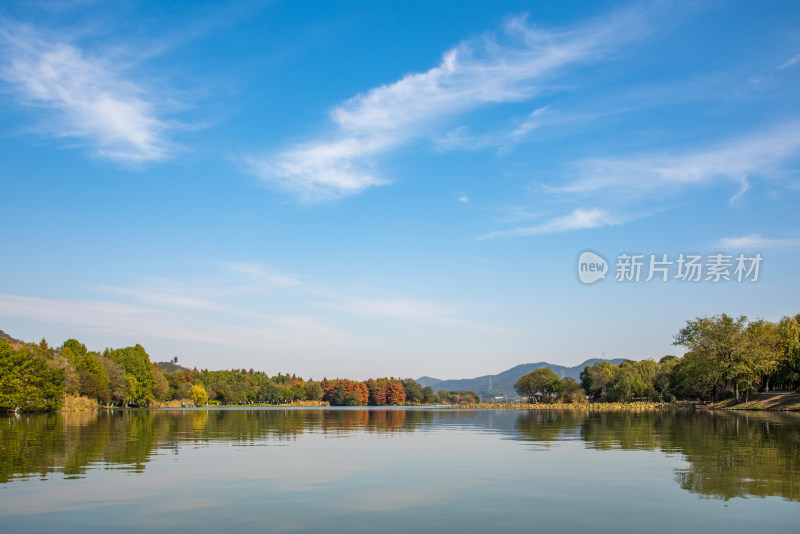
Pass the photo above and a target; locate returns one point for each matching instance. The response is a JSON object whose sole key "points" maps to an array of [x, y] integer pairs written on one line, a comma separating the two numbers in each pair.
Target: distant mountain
{"points": [[426, 381], [502, 384]]}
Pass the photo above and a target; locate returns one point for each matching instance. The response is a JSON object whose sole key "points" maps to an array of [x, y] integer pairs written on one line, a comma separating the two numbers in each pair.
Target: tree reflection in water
{"points": [[729, 454]]}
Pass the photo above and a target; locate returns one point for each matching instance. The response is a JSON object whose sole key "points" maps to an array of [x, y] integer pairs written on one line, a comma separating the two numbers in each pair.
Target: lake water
{"points": [[400, 470]]}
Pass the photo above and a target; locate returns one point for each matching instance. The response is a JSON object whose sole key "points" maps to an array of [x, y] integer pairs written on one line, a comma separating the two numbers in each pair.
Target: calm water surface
{"points": [[399, 470]]}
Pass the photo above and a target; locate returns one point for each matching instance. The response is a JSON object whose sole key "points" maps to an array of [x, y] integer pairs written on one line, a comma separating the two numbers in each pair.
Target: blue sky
{"points": [[391, 188]]}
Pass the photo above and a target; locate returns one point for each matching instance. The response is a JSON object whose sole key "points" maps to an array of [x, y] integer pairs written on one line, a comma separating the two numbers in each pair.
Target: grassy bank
{"points": [[761, 401], [597, 406]]}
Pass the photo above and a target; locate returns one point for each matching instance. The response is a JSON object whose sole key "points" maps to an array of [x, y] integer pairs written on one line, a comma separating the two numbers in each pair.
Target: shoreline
{"points": [[788, 402], [598, 406], [760, 402]]}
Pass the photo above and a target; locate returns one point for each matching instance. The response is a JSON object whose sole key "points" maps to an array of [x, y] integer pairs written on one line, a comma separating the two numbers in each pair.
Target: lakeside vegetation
{"points": [[726, 358], [37, 377]]}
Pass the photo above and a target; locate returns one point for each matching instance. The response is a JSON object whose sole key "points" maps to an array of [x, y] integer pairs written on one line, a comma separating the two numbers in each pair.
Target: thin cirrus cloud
{"points": [[532, 122], [630, 179], [789, 62], [235, 279], [755, 241], [580, 219], [220, 294], [163, 298], [759, 154], [121, 319], [87, 98], [264, 276], [474, 74], [407, 310]]}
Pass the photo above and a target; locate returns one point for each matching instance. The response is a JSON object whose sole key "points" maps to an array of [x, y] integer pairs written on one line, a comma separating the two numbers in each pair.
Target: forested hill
{"points": [[503, 383], [426, 381], [171, 367], [10, 339]]}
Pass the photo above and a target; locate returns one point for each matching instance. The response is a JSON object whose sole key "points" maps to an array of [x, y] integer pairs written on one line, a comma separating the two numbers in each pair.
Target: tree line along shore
{"points": [[726, 358], [37, 377]]}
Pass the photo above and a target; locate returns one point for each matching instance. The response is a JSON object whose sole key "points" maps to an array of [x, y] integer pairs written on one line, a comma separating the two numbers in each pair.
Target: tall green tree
{"points": [[138, 372], [732, 354], [787, 373], [597, 378], [413, 391], [27, 382], [93, 377], [118, 386], [540, 380], [627, 383], [314, 391]]}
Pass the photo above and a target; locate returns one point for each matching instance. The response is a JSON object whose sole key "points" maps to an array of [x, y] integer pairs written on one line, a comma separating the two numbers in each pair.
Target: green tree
{"points": [[413, 391], [161, 389], [760, 356], [272, 393], [541, 381], [339, 397], [662, 379], [313, 391], [27, 382], [74, 348], [627, 383], [787, 373], [596, 379], [570, 391], [117, 383], [733, 354], [139, 374], [93, 377]]}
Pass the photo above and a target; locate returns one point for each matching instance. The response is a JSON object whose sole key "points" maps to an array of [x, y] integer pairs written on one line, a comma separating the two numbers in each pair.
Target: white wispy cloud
{"points": [[266, 276], [233, 279], [761, 153], [90, 99], [226, 294], [580, 219], [755, 241], [407, 310], [531, 122], [789, 62], [503, 138], [121, 319], [474, 74], [175, 298], [464, 199]]}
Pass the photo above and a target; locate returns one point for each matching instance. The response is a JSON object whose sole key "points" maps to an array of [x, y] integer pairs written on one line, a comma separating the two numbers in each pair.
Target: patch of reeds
{"points": [[76, 403]]}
